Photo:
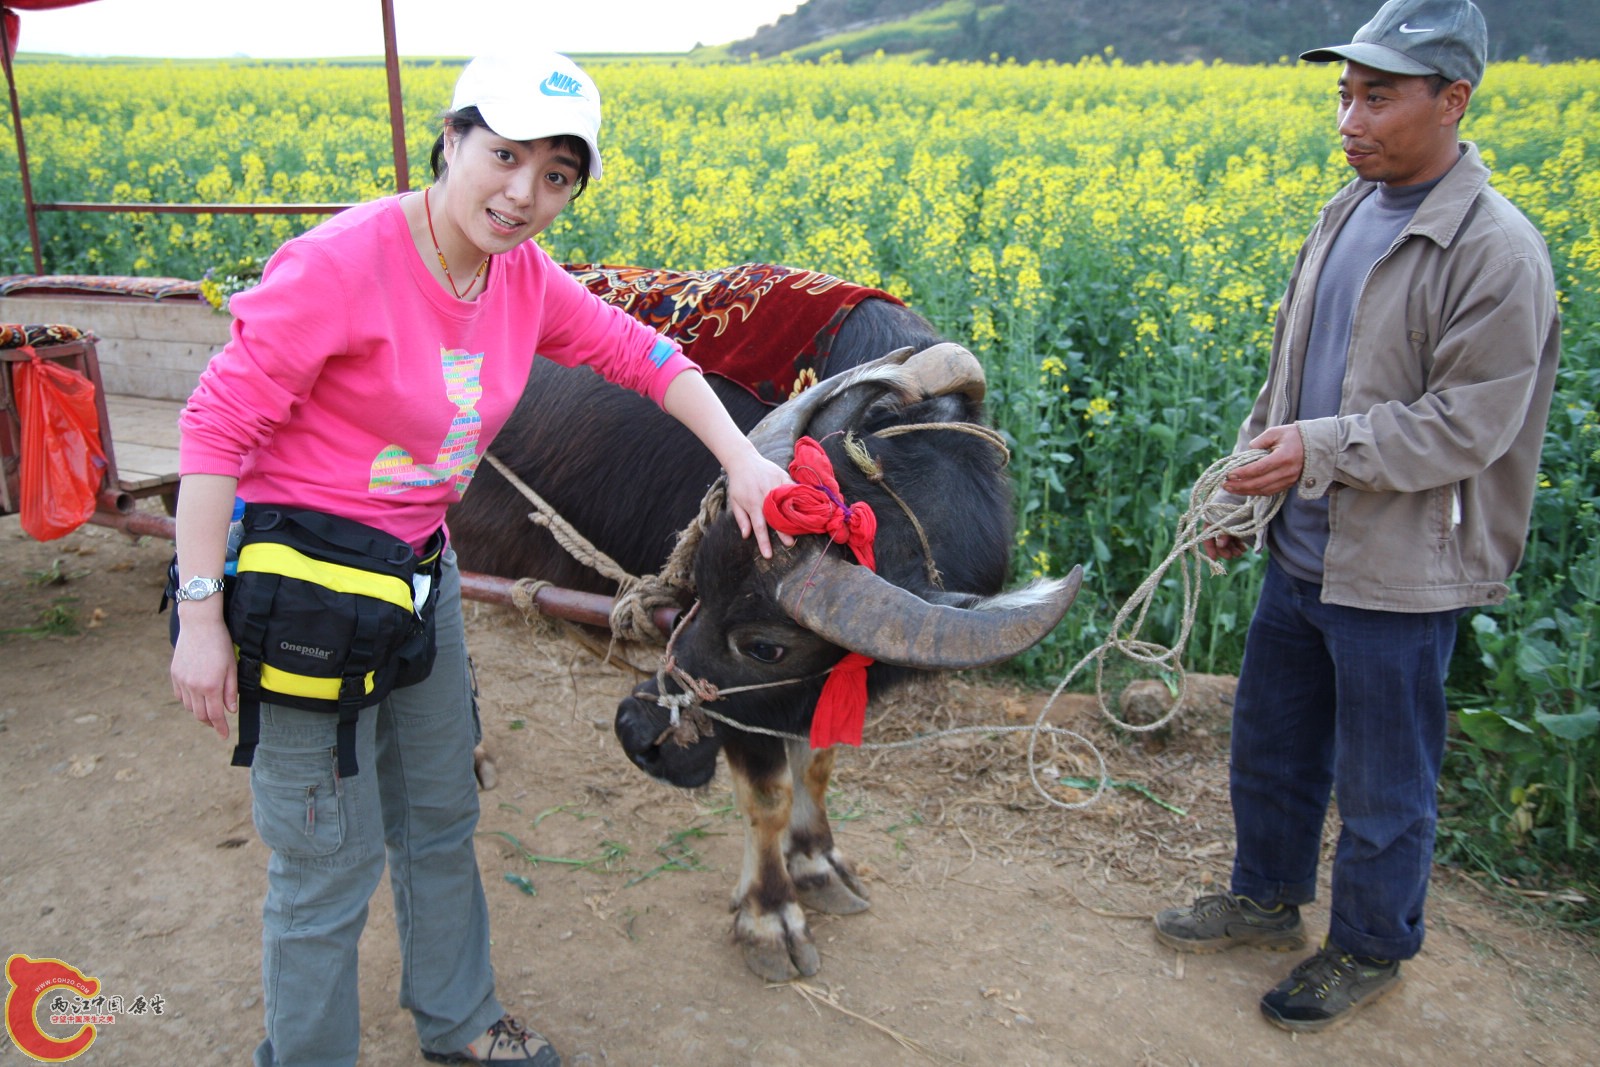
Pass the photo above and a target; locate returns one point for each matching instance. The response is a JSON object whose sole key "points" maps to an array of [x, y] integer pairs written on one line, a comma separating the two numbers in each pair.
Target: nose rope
{"points": [[698, 691], [675, 703], [685, 729]]}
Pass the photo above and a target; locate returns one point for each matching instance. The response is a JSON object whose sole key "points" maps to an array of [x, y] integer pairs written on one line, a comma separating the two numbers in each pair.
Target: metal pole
{"points": [[402, 172], [397, 112], [22, 154], [132, 208]]}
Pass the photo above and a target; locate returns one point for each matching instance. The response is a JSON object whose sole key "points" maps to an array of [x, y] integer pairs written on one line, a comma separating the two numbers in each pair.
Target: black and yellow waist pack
{"points": [[327, 614]]}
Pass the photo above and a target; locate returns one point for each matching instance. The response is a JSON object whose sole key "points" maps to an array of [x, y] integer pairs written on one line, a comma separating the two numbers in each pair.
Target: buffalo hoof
{"points": [[777, 946], [828, 884], [483, 767]]}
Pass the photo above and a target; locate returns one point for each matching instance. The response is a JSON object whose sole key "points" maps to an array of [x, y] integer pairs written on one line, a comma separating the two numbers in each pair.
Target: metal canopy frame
{"points": [[586, 608], [31, 207]]}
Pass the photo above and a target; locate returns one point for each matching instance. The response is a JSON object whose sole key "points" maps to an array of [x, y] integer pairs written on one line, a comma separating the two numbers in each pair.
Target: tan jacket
{"points": [[1430, 465]]}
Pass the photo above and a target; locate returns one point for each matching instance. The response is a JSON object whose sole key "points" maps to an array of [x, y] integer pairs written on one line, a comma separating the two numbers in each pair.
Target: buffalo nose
{"points": [[638, 725]]}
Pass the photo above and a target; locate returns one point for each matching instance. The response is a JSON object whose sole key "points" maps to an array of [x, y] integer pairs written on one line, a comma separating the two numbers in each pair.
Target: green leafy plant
{"points": [[1533, 753], [55, 574], [218, 285], [60, 619], [610, 854], [677, 854]]}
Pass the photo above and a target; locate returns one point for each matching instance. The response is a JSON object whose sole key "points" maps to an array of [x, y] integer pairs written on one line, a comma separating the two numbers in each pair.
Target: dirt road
{"points": [[1001, 932]]}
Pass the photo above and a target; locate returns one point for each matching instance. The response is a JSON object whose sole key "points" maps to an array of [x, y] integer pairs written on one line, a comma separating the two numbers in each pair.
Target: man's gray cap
{"points": [[1445, 37]]}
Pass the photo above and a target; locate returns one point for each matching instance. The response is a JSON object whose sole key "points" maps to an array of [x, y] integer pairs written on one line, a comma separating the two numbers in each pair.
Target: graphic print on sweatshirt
{"points": [[395, 470]]}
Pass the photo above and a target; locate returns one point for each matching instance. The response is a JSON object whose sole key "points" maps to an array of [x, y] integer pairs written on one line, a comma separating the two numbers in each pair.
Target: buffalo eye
{"points": [[763, 651]]}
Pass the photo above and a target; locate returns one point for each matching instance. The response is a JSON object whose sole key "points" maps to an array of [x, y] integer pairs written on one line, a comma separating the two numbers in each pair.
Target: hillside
{"points": [[1238, 31]]}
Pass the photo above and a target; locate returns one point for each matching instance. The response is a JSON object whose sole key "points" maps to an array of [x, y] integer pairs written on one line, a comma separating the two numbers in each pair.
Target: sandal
{"points": [[507, 1043]]}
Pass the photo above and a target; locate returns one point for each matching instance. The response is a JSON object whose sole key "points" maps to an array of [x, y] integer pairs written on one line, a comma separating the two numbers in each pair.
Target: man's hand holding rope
{"points": [[1274, 473]]}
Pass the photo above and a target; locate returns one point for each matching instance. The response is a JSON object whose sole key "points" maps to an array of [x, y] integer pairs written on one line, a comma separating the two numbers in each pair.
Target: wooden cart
{"points": [[139, 435]]}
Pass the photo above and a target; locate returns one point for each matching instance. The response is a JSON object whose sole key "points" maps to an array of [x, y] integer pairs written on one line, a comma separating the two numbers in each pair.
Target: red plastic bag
{"points": [[62, 461]]}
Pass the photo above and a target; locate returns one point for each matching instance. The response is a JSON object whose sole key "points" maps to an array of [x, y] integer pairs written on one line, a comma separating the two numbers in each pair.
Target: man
{"points": [[1412, 366]]}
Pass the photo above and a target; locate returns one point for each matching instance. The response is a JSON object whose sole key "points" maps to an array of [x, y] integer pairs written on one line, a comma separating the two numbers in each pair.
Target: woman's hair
{"points": [[468, 117]]}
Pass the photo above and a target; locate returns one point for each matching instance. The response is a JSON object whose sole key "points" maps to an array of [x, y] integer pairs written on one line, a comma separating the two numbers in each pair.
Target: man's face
{"points": [[1395, 129]]}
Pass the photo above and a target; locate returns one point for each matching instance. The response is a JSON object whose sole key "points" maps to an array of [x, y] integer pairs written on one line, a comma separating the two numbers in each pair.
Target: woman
{"points": [[365, 378]]}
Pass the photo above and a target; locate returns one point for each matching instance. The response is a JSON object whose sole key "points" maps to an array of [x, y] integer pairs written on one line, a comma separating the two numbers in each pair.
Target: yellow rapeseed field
{"points": [[972, 191], [1111, 240]]}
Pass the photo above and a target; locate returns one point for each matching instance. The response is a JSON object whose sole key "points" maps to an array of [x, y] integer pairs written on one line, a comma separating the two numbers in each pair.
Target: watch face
{"points": [[198, 588]]}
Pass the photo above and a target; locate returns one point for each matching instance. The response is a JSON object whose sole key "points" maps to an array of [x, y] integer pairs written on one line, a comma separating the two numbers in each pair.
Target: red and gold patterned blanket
{"points": [[19, 335], [712, 314], [106, 284]]}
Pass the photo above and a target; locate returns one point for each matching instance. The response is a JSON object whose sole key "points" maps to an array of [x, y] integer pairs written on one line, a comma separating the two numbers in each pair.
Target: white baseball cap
{"points": [[531, 96]]}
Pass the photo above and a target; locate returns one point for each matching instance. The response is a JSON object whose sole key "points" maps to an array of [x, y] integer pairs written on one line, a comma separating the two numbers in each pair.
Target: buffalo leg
{"points": [[823, 878], [483, 766], [769, 925]]}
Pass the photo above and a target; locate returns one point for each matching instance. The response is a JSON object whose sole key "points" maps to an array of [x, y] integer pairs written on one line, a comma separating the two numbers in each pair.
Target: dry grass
{"points": [[979, 788]]}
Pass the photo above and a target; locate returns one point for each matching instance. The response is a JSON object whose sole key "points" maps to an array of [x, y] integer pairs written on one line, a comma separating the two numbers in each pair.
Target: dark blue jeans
{"points": [[1351, 701]]}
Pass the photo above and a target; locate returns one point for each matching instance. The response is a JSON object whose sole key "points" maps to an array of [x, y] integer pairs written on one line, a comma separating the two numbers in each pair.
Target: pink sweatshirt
{"points": [[355, 385]]}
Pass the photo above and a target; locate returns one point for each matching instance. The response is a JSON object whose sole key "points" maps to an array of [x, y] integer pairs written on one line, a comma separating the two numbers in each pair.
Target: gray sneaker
{"points": [[1221, 921], [507, 1043], [1326, 989]]}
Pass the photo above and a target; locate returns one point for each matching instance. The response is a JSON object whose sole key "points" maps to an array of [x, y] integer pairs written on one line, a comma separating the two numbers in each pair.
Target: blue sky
{"points": [[273, 29]]}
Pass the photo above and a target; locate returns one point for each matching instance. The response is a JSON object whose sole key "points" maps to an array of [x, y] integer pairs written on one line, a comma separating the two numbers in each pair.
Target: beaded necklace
{"points": [[460, 294]]}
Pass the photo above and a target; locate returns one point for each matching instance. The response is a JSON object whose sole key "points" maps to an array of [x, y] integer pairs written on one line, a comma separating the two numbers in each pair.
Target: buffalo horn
{"points": [[774, 436], [945, 369], [940, 370], [854, 608]]}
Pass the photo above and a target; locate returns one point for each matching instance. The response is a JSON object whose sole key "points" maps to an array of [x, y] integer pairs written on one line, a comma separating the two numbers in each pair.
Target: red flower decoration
{"points": [[815, 505]]}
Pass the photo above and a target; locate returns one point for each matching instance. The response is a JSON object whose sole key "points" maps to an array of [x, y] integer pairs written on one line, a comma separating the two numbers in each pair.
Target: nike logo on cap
{"points": [[1406, 27], [559, 84]]}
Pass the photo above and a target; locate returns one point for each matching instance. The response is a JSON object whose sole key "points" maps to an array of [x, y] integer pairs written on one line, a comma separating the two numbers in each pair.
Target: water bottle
{"points": [[230, 564]]}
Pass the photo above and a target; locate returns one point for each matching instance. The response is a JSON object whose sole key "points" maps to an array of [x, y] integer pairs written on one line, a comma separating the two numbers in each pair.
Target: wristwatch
{"points": [[198, 588]]}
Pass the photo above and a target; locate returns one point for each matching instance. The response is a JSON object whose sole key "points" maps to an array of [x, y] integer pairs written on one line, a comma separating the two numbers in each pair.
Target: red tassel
{"points": [[842, 709], [815, 505]]}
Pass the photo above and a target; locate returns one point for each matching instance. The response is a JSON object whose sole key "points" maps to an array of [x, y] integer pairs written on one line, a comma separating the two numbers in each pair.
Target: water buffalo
{"points": [[619, 470], [899, 433]]}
